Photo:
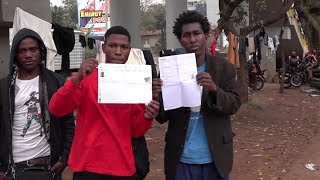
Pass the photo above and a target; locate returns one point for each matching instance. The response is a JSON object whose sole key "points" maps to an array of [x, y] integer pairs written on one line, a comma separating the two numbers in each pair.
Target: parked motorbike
{"points": [[257, 83], [287, 78], [300, 76]]}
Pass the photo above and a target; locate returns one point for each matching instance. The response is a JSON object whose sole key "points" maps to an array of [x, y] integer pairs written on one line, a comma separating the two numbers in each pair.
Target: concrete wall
{"points": [[39, 8], [4, 51], [173, 9], [268, 60], [292, 44], [213, 11], [127, 13]]}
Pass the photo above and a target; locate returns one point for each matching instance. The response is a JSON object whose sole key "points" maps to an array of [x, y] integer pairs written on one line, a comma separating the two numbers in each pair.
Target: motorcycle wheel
{"points": [[296, 80], [259, 84], [287, 83]]}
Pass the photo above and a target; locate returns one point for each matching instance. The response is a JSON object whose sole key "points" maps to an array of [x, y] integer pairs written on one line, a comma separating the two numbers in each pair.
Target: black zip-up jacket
{"points": [[61, 129]]}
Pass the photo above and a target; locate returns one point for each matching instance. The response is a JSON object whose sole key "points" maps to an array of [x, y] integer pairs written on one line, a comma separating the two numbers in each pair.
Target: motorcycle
{"points": [[257, 83], [287, 78], [300, 76]]}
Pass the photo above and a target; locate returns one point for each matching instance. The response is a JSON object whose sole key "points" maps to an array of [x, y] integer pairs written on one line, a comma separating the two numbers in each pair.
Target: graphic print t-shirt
{"points": [[28, 137]]}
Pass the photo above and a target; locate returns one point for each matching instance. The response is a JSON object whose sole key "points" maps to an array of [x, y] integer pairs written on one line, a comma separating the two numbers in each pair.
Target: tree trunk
{"points": [[242, 78], [311, 33], [315, 39], [283, 58], [283, 69]]}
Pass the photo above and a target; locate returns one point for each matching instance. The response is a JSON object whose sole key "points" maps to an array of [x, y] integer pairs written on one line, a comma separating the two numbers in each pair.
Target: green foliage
{"points": [[57, 14], [89, 53], [153, 18], [66, 15]]}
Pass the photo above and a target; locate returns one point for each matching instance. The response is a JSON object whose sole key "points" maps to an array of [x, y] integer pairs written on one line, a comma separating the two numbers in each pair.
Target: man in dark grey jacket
{"points": [[30, 137], [199, 140]]}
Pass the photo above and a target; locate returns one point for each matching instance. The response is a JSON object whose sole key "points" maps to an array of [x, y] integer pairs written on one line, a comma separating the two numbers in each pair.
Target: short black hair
{"points": [[117, 30], [190, 17]]}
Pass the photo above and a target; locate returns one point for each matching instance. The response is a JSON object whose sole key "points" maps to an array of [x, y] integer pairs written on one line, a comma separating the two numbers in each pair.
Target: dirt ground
{"points": [[276, 135]]}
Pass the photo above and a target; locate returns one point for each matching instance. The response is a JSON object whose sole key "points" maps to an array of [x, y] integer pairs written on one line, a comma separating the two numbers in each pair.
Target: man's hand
{"points": [[204, 79], [58, 168], [86, 68], [152, 110], [156, 88]]}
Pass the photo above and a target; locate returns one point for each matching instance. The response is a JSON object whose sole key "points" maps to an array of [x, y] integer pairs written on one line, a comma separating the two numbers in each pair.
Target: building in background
{"points": [[192, 4], [150, 38]]}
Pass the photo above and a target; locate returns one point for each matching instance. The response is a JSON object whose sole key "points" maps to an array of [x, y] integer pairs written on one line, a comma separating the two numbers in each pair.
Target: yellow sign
{"points": [[90, 14]]}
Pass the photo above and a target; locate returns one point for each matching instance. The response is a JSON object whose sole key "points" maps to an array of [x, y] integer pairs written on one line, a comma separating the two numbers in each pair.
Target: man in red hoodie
{"points": [[102, 147]]}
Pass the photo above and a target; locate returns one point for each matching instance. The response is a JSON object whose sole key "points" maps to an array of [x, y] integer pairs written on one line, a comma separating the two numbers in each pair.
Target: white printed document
{"points": [[180, 88], [124, 84]]}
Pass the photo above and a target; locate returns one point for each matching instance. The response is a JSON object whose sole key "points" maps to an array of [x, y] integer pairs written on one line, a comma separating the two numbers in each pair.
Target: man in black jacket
{"points": [[199, 139], [30, 137]]}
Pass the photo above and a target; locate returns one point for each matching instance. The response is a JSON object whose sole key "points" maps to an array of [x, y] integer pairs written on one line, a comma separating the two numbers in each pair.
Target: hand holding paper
{"points": [[156, 88], [152, 110], [204, 79], [180, 88]]}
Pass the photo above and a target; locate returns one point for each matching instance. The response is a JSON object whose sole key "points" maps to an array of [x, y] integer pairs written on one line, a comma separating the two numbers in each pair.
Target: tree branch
{"points": [[235, 3], [273, 19], [227, 2], [226, 10], [311, 19]]}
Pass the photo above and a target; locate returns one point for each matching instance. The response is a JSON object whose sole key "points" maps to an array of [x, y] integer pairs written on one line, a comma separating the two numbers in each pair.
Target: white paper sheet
{"points": [[124, 84], [180, 88]]}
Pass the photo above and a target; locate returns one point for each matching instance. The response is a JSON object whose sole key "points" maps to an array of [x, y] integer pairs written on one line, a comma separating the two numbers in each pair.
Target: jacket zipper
{"points": [[10, 164]]}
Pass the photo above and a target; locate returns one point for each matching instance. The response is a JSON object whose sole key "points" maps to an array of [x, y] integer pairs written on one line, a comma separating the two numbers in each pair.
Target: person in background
{"points": [[215, 36], [293, 62]]}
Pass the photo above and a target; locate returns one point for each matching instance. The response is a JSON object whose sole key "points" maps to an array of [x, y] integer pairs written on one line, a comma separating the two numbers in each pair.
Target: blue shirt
{"points": [[196, 149]]}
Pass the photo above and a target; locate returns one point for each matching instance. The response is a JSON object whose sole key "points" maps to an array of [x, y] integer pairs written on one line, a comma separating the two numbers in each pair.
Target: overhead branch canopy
{"points": [[228, 7]]}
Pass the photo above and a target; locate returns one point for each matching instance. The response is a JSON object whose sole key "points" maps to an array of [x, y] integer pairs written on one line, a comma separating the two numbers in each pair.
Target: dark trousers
{"points": [[21, 167], [197, 172], [94, 176]]}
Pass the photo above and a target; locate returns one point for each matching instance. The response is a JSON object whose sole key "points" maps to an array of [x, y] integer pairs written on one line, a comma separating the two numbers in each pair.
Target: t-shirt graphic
{"points": [[28, 136], [33, 113]]}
